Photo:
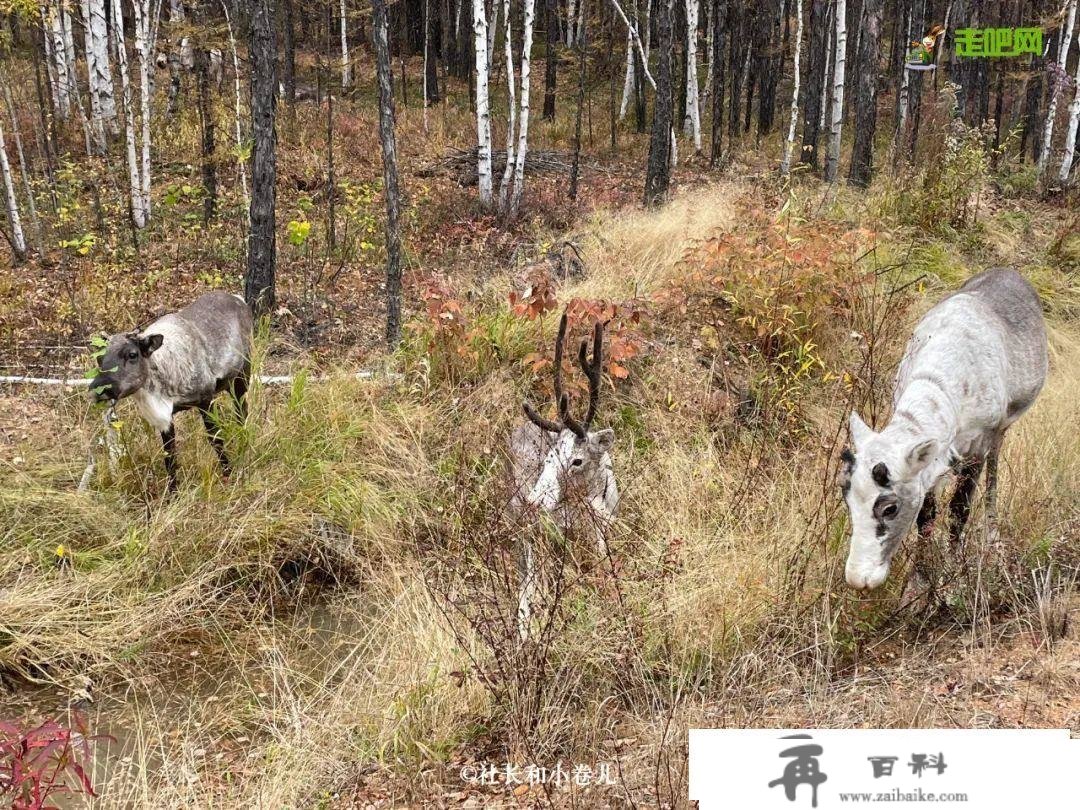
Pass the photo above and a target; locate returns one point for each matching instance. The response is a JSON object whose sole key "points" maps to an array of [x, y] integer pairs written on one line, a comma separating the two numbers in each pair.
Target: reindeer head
{"points": [[575, 467], [124, 366], [884, 481]]}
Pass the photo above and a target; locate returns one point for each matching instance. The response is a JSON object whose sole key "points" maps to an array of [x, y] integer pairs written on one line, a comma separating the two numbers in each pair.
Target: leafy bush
{"points": [[33, 763]]}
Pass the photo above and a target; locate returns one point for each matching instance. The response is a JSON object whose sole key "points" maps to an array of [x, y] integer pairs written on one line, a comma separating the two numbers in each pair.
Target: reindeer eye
{"points": [[889, 511], [133, 355], [577, 462]]}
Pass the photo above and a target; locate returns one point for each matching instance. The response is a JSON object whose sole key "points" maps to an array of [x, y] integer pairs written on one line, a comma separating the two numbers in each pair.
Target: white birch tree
{"points": [[98, 78], [1051, 109], [570, 8], [692, 122], [483, 111], [785, 164], [511, 116], [1074, 123], [143, 44], [24, 171], [346, 65], [523, 115], [18, 239], [138, 214], [832, 161], [56, 60]]}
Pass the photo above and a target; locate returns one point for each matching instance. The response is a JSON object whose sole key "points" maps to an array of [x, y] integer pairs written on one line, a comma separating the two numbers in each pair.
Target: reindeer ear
{"points": [[860, 431], [605, 439], [920, 455], [148, 344]]}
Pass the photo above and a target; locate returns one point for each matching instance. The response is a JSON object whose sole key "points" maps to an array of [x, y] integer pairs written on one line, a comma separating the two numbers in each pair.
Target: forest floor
{"points": [[290, 637]]}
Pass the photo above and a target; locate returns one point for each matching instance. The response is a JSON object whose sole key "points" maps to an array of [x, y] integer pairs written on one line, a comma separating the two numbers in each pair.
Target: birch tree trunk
{"points": [[18, 239], [570, 8], [1074, 123], [511, 116], [390, 173], [628, 81], [785, 164], [240, 162], [101, 82], [138, 215], [346, 66], [523, 115], [1055, 89], [832, 162], [56, 54], [692, 122], [483, 112], [96, 124], [142, 10]]}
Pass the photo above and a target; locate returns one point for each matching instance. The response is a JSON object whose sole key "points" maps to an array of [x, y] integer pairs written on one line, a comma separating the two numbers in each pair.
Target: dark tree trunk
{"points": [[551, 56], [915, 81], [862, 155], [289, 37], [259, 281], [1032, 95], [680, 35], [447, 43], [640, 113], [815, 75], [737, 54], [611, 66], [658, 174], [390, 173], [206, 122], [331, 191], [719, 73]]}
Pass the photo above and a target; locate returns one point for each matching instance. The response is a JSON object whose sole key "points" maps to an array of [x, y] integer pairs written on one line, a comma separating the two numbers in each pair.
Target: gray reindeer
{"points": [[975, 364], [181, 361], [563, 468]]}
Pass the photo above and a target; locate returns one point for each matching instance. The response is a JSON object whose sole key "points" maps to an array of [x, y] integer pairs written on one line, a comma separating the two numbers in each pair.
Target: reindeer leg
{"points": [[168, 441], [526, 566], [960, 506], [238, 389], [213, 432], [990, 502], [920, 585]]}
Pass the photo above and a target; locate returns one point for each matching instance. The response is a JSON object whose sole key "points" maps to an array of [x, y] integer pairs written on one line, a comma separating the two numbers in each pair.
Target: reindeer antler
{"points": [[592, 372]]}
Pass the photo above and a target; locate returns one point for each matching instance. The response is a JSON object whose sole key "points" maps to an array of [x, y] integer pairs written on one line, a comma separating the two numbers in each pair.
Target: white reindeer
{"points": [[563, 468], [974, 365]]}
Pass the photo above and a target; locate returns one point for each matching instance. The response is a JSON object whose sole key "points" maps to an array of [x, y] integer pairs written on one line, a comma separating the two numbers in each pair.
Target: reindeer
{"points": [[181, 361], [563, 468], [974, 365]]}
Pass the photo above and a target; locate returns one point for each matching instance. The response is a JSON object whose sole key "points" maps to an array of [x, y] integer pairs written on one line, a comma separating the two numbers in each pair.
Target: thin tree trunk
{"points": [[346, 65], [551, 58], [785, 164], [176, 21], [832, 162], [289, 66], [18, 239], [1070, 135], [823, 102], [523, 115], [719, 47], [56, 51], [331, 186], [1055, 90], [692, 122], [259, 282], [138, 213], [206, 123], [511, 115], [869, 56], [142, 46], [576, 163], [658, 173], [240, 162], [483, 112], [390, 172]]}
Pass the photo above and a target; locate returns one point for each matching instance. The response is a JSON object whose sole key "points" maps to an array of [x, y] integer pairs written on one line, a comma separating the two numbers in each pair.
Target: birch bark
{"points": [[832, 162], [18, 239], [138, 215], [1055, 89], [483, 112], [523, 115], [785, 164]]}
